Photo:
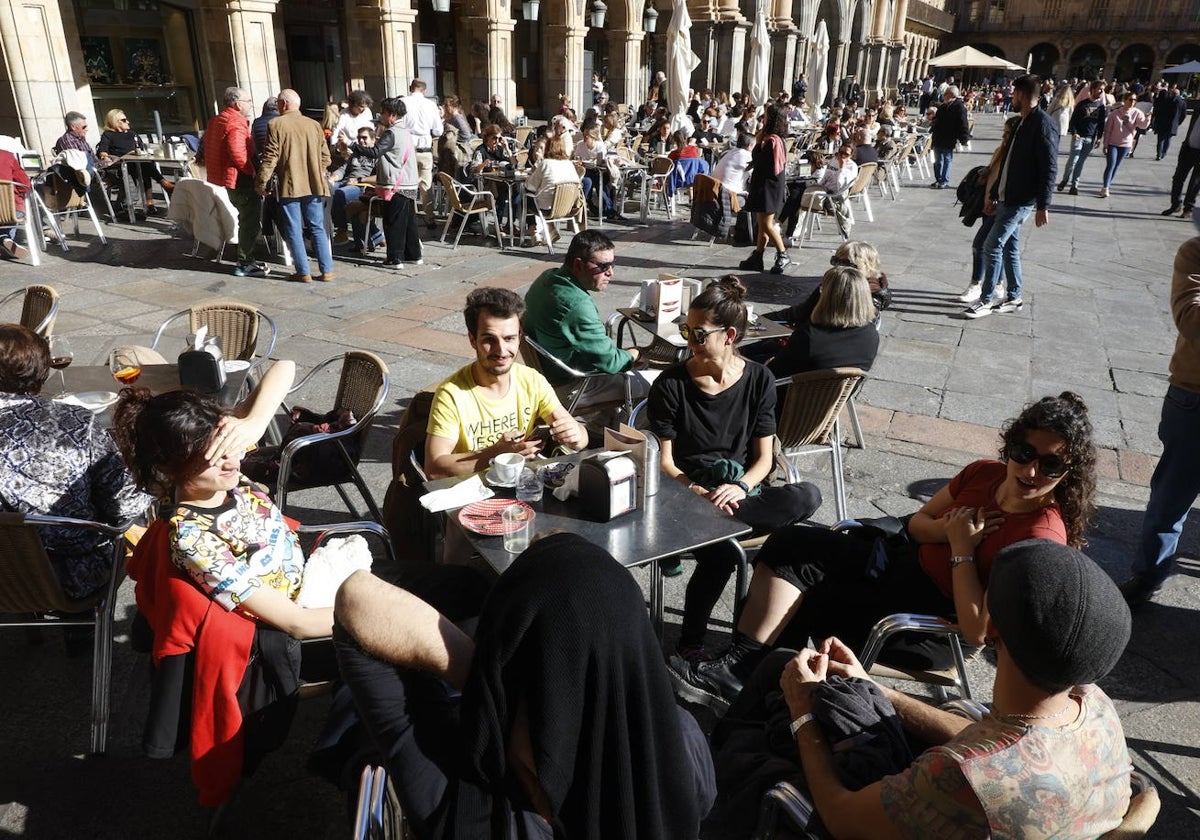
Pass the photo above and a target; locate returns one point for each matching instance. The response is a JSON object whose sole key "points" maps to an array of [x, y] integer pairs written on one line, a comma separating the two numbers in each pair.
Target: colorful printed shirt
{"points": [[463, 412], [56, 460], [234, 549], [1005, 780]]}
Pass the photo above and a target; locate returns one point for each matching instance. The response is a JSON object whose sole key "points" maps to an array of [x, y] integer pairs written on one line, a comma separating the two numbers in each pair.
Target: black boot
{"points": [[754, 262], [716, 683], [782, 261]]}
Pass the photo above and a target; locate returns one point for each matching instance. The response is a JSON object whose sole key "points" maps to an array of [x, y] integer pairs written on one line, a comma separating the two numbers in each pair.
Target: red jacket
{"points": [[228, 148], [11, 170], [184, 619]]}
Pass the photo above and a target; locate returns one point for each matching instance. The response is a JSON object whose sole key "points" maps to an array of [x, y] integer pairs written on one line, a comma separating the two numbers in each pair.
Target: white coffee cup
{"points": [[508, 466], [750, 317]]}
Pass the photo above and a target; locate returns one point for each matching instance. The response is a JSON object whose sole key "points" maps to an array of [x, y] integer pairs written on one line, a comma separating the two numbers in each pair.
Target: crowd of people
{"points": [[541, 705]]}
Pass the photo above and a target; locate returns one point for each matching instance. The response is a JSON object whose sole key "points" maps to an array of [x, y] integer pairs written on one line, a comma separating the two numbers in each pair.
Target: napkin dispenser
{"points": [[202, 367], [607, 486]]}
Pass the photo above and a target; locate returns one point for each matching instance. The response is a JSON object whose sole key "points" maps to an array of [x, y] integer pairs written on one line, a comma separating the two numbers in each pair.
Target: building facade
{"points": [[1122, 39], [168, 62]]}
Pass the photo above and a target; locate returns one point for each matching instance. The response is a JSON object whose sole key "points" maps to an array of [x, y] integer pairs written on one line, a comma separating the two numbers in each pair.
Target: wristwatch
{"points": [[800, 721], [745, 487], [959, 560]]}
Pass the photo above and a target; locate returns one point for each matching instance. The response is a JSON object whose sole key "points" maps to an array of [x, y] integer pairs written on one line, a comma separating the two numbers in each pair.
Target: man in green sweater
{"points": [[561, 316]]}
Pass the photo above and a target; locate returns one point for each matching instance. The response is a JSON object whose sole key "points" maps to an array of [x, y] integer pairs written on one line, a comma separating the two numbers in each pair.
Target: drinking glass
{"points": [[529, 488], [125, 366], [518, 527], [61, 355]]}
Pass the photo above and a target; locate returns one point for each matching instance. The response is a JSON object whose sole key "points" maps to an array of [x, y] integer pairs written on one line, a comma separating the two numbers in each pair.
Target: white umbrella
{"points": [[970, 57], [1190, 67], [818, 75], [681, 61], [760, 59]]}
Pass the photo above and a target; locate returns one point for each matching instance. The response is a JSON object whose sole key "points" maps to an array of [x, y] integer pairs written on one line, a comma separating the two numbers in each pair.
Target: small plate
{"points": [[494, 480], [232, 365], [94, 401], [484, 517]]}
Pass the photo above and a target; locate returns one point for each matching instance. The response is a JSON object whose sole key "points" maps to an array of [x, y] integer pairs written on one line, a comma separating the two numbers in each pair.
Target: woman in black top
{"points": [[840, 332], [119, 139], [715, 417], [768, 188]]}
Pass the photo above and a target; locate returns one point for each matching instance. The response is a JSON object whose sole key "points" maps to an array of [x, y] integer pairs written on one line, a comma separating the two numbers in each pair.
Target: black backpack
{"points": [[971, 193]]}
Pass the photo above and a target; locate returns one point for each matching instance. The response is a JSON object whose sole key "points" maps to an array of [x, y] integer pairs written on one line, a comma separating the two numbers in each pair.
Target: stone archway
{"points": [[1183, 54], [1087, 61], [1135, 63], [1043, 58], [990, 49]]}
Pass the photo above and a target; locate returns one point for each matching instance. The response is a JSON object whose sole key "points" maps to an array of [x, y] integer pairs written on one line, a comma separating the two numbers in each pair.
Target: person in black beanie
{"points": [[565, 726], [1050, 759]]}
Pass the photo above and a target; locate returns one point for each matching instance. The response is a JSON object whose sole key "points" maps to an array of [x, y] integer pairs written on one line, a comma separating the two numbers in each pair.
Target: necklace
{"points": [[1057, 714]]}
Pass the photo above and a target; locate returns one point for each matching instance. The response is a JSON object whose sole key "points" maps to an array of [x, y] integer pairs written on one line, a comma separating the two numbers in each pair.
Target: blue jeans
{"points": [[1174, 485], [586, 183], [1113, 157], [978, 263], [1075, 160], [306, 212], [942, 159], [1002, 249], [341, 197]]}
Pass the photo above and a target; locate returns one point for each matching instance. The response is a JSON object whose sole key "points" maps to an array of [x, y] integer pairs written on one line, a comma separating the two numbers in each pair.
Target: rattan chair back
{"points": [[812, 405], [236, 324]]}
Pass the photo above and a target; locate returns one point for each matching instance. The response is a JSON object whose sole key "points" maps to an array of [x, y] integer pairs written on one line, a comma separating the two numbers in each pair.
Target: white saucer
{"points": [[235, 364], [94, 401], [494, 480]]}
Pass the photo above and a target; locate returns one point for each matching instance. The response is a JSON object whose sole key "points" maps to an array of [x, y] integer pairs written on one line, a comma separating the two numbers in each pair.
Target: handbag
{"points": [[320, 462]]}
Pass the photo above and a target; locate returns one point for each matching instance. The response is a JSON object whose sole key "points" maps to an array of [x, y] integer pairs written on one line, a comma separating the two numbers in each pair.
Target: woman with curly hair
{"points": [[811, 582]]}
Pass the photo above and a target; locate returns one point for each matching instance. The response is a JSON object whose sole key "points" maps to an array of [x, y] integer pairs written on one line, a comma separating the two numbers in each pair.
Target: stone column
{"points": [[626, 69], [783, 59], [391, 63], [42, 74], [485, 49], [241, 40], [732, 56], [564, 66]]}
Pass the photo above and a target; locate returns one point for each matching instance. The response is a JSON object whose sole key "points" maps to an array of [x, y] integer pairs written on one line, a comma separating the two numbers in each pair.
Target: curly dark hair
{"points": [[162, 438], [1066, 416]]}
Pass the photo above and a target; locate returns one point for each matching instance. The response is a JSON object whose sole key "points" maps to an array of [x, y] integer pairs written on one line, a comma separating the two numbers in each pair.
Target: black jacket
{"points": [[1032, 162], [950, 125], [1087, 120], [1169, 112]]}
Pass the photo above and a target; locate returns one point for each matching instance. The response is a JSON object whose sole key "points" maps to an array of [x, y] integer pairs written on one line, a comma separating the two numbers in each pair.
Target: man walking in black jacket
{"points": [[1086, 127], [1188, 168], [949, 128], [1025, 185], [1168, 113]]}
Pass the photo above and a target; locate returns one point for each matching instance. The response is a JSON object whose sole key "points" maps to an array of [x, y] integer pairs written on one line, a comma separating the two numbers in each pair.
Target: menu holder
{"points": [[662, 299]]}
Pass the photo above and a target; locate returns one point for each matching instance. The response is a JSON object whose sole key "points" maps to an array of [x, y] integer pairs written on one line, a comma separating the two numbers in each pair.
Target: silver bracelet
{"points": [[960, 559], [800, 721]]}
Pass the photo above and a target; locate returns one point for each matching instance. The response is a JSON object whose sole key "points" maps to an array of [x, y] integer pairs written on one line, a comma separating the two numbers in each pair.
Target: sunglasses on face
{"points": [[601, 267], [697, 334], [1051, 466]]}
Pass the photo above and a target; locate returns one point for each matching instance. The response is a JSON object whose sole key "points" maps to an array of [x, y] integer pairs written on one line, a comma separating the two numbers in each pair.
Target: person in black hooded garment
{"points": [[566, 726]]}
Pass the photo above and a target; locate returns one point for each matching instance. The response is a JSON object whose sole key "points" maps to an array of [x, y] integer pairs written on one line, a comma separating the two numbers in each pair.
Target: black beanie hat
{"points": [[1061, 617]]}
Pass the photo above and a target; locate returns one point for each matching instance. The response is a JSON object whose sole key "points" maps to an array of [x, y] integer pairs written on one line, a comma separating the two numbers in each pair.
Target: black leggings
{"points": [[773, 508], [849, 583]]}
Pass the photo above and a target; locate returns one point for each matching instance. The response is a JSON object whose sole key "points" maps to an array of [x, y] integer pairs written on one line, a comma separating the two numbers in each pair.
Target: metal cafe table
{"points": [[674, 521], [158, 378]]}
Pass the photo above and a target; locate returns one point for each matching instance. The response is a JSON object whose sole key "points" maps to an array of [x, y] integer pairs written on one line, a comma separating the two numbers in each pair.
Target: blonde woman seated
{"points": [[836, 178], [591, 149], [840, 332], [553, 169]]}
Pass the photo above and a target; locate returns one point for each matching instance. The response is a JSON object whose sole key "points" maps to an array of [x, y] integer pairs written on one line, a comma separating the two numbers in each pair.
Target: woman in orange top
{"points": [[818, 583]]}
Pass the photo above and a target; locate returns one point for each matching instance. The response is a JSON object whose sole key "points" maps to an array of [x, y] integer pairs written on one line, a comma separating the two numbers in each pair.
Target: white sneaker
{"points": [[971, 294], [1010, 305], [979, 309]]}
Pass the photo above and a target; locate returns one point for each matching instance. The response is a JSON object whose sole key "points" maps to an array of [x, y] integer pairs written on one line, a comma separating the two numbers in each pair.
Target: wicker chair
{"points": [[808, 422], [38, 310], [567, 207], [657, 179], [866, 174], [29, 589], [8, 217], [237, 325], [362, 388], [482, 203], [58, 199]]}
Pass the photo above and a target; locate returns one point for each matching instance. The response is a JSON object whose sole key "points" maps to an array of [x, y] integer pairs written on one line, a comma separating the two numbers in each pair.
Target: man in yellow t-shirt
{"points": [[490, 406]]}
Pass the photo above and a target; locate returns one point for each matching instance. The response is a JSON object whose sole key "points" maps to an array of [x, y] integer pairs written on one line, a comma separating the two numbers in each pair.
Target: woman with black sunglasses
{"points": [[810, 582], [715, 417]]}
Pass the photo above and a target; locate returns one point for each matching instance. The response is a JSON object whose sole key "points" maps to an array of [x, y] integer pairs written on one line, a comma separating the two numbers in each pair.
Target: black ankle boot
{"points": [[717, 682], [754, 262]]}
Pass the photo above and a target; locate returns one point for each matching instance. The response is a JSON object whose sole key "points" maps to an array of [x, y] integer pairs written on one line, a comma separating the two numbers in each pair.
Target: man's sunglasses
{"points": [[601, 267], [697, 334], [1050, 465]]}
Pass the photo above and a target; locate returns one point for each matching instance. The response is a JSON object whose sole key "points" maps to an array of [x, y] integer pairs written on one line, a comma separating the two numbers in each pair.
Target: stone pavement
{"points": [[1095, 321]]}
